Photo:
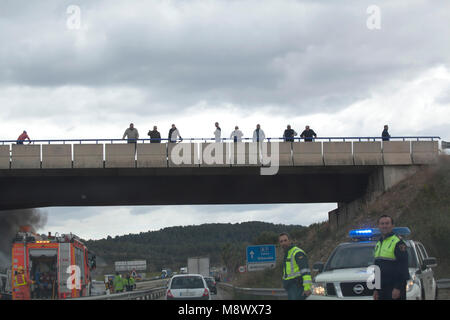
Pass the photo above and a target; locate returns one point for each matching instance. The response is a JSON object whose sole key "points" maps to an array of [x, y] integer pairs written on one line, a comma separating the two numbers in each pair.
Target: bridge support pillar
{"points": [[380, 181]]}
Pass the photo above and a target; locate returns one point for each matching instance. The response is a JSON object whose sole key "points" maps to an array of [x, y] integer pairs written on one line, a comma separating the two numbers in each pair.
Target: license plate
{"points": [[186, 294]]}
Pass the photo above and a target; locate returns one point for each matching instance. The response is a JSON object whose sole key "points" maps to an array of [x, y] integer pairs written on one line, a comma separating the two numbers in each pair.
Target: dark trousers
{"points": [[386, 293], [294, 289]]}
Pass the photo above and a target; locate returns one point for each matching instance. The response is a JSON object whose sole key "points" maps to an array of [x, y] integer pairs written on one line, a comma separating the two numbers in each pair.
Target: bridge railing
{"points": [[120, 153]]}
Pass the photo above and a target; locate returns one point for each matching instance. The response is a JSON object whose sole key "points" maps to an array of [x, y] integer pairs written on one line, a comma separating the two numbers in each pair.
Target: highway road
{"points": [[221, 294]]}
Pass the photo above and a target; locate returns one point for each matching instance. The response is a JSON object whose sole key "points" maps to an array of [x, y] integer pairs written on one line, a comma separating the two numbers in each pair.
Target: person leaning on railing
{"points": [[308, 134], [23, 137], [132, 134]]}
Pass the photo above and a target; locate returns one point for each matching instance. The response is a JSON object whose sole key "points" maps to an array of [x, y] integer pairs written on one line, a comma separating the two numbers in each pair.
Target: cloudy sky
{"points": [[86, 69]]}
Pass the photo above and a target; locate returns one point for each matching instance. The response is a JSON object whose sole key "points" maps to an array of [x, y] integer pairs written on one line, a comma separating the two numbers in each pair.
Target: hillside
{"points": [[421, 202], [170, 247]]}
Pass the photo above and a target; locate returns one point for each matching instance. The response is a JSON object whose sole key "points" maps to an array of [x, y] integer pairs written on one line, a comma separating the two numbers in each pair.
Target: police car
{"points": [[348, 273]]}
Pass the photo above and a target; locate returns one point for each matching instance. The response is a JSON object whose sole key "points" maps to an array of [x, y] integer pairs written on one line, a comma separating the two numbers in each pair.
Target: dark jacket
{"points": [[385, 134], [154, 134], [289, 135], [308, 134], [394, 274]]}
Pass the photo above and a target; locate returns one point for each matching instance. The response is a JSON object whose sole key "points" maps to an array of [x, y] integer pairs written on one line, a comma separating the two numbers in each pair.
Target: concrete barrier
{"points": [[183, 154], [284, 153], [120, 155], [26, 156], [88, 155], [307, 153], [396, 153], [56, 156], [367, 153], [425, 152], [214, 155], [244, 154], [152, 155], [4, 157], [337, 153]]}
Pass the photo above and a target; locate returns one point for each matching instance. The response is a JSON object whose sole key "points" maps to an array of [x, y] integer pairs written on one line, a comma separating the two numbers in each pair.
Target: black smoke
{"points": [[10, 222]]}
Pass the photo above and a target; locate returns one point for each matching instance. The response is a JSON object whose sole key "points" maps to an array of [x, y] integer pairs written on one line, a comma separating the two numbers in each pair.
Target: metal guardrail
{"points": [[64, 141], [147, 294], [267, 292], [443, 283]]}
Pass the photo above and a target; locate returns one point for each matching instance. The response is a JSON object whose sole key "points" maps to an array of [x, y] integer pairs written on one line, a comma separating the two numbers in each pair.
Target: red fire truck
{"points": [[50, 267]]}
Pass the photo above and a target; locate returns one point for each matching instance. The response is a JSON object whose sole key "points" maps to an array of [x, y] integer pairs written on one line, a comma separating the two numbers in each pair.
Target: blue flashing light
{"points": [[374, 232], [363, 233]]}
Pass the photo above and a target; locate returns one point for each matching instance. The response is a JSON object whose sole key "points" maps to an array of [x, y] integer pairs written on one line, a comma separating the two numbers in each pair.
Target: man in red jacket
{"points": [[22, 138]]}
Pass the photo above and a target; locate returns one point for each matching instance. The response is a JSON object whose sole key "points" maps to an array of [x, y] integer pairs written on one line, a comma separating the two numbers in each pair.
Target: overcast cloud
{"points": [[237, 62]]}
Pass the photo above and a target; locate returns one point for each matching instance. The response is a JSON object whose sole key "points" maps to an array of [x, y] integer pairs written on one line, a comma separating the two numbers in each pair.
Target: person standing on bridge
{"points": [[289, 134], [236, 135], [391, 256], [155, 136], [385, 134], [217, 133], [296, 273], [308, 134], [174, 134], [22, 138], [258, 134], [132, 134]]}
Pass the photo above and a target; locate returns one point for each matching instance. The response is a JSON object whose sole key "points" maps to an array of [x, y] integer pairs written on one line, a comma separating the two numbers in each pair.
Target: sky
{"points": [[86, 69]]}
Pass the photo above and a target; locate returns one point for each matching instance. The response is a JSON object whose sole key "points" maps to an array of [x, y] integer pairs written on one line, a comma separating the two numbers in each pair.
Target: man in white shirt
{"points": [[174, 134], [217, 132], [258, 134], [236, 135]]}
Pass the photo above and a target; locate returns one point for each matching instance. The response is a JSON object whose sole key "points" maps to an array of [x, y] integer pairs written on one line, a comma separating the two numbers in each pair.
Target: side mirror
{"points": [[430, 262], [318, 266]]}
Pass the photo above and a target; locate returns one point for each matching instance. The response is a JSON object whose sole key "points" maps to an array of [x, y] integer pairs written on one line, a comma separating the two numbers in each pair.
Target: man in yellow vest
{"points": [[391, 257], [19, 278], [296, 273], [118, 283]]}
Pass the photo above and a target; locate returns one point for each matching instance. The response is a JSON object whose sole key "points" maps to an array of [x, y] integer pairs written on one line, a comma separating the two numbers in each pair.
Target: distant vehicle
{"points": [[188, 287], [98, 288], [166, 273], [198, 265], [345, 274], [211, 282], [183, 270]]}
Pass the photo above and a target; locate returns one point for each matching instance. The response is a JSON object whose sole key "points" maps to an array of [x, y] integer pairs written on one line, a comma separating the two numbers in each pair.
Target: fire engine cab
{"points": [[50, 267]]}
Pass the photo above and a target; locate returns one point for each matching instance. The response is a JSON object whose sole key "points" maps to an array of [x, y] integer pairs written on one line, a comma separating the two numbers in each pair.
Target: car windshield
{"points": [[187, 283], [209, 280], [358, 256]]}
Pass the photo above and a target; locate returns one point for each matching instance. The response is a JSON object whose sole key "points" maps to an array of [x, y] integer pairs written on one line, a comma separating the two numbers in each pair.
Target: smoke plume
{"points": [[10, 222]]}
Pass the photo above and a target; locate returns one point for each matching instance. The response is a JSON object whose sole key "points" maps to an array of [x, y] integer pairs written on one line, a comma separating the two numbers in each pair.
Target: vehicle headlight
{"points": [[319, 289], [410, 283]]}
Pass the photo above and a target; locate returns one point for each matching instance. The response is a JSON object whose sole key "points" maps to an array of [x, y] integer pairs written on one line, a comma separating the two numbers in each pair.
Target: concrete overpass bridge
{"points": [[111, 172]]}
